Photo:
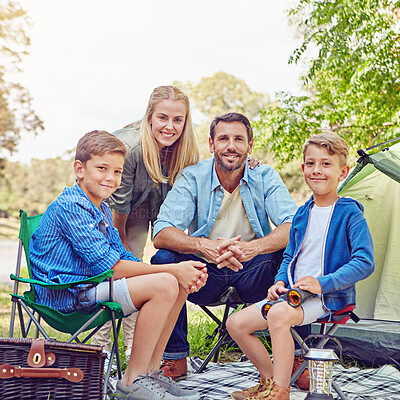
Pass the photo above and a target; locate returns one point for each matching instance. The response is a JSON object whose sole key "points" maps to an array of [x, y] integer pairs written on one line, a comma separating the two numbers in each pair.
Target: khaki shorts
{"points": [[313, 309], [121, 295]]}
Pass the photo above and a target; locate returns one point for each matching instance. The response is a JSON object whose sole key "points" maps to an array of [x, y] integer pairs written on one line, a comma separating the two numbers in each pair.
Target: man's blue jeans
{"points": [[251, 282]]}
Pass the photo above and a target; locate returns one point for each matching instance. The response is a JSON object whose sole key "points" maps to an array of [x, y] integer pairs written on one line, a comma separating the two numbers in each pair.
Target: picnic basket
{"points": [[68, 371]]}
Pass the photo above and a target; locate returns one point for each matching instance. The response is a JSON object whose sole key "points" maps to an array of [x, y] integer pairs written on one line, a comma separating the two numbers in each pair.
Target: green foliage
{"points": [[16, 113], [219, 94], [198, 330], [201, 339], [352, 84], [34, 187], [222, 93], [7, 199]]}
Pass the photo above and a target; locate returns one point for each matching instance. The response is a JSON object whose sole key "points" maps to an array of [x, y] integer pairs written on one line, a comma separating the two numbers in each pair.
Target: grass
{"points": [[202, 337]]}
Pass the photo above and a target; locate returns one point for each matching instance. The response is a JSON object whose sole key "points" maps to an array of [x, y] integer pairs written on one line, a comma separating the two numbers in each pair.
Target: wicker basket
{"points": [[89, 359]]}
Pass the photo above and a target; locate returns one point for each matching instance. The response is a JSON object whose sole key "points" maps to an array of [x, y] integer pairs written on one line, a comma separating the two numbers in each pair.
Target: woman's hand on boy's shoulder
{"points": [[253, 162]]}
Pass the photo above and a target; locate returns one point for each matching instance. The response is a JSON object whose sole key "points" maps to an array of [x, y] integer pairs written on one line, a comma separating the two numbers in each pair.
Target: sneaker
{"points": [[303, 381], [175, 369], [174, 388], [276, 393], [264, 387], [144, 387]]}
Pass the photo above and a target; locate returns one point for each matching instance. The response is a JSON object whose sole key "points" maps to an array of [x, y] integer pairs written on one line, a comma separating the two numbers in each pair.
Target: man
{"points": [[226, 209]]}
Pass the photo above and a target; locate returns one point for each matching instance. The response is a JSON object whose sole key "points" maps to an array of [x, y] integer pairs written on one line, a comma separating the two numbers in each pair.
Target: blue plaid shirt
{"points": [[75, 240]]}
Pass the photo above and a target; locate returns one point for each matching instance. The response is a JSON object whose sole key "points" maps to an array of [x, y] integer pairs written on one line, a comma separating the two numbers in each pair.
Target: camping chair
{"points": [[337, 318], [231, 300], [72, 323]]}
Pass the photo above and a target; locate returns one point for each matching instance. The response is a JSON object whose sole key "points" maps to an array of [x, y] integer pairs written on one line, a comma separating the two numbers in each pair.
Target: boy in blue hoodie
{"points": [[330, 249]]}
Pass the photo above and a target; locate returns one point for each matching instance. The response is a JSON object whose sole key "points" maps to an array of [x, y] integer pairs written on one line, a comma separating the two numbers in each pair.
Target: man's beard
{"points": [[230, 168]]}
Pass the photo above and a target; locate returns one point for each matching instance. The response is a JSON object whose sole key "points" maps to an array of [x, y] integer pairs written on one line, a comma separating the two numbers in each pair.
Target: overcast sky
{"points": [[94, 63]]}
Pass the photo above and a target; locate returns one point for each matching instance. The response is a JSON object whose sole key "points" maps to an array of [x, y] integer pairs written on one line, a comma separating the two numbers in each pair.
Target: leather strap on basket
{"points": [[8, 371], [37, 357]]}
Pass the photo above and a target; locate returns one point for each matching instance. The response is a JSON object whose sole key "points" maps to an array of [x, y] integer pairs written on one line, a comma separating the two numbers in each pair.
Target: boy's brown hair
{"points": [[332, 143], [97, 143]]}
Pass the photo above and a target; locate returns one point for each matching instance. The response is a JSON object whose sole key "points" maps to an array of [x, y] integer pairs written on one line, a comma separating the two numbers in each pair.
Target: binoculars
{"points": [[297, 296], [266, 306], [294, 297]]}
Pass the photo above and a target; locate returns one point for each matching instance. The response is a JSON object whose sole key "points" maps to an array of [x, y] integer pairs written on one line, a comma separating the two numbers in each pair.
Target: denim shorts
{"points": [[121, 295], [313, 309]]}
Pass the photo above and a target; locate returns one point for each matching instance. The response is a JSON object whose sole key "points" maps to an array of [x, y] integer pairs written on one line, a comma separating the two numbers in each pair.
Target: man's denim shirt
{"points": [[196, 197]]}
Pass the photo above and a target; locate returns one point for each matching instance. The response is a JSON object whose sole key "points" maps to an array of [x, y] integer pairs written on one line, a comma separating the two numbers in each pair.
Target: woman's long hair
{"points": [[182, 153]]}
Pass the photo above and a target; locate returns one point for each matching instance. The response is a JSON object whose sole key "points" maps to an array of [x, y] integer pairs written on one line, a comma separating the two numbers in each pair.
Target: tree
{"points": [[219, 94], [16, 113], [352, 85], [33, 187], [222, 93]]}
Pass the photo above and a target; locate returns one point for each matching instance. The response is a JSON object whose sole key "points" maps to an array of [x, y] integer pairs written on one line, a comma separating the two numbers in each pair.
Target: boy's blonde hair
{"points": [[97, 143], [182, 153], [332, 143]]}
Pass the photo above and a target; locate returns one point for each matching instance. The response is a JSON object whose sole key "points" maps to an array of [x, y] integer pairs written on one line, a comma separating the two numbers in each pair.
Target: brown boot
{"points": [[175, 369], [276, 393], [263, 386], [303, 381]]}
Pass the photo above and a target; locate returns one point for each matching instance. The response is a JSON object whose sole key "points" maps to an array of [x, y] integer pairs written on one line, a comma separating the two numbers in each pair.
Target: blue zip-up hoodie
{"points": [[348, 252]]}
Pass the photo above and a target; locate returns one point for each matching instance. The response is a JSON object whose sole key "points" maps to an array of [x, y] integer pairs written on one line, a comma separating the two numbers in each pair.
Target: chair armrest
{"points": [[95, 279]]}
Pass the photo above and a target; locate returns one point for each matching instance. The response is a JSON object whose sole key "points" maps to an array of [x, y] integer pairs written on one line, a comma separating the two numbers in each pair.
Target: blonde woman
{"points": [[158, 148]]}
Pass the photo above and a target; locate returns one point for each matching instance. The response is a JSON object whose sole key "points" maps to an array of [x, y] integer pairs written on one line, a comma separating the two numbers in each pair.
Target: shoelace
{"points": [[262, 386], [150, 383], [256, 388], [160, 376], [267, 387]]}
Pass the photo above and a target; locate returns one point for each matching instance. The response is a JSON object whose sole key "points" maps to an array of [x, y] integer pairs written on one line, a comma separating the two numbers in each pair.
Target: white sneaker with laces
{"points": [[173, 387], [144, 387]]}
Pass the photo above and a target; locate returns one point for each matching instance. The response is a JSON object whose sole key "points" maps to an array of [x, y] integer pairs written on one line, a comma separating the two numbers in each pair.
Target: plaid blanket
{"points": [[219, 380]]}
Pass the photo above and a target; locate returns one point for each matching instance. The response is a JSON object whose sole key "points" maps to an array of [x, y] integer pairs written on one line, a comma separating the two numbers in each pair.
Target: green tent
{"points": [[375, 183]]}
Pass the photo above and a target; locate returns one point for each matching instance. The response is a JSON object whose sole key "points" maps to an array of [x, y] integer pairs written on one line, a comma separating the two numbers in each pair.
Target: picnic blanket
{"points": [[219, 380]]}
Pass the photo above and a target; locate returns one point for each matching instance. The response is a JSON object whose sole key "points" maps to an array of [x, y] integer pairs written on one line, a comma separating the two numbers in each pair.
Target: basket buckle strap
{"points": [[37, 356], [8, 371]]}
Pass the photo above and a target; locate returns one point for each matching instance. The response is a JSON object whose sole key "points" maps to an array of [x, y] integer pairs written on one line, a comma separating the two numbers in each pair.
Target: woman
{"points": [[158, 148]]}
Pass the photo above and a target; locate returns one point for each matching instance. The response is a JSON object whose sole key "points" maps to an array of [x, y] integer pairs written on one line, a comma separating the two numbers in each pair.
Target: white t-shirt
{"points": [[309, 261], [232, 218]]}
